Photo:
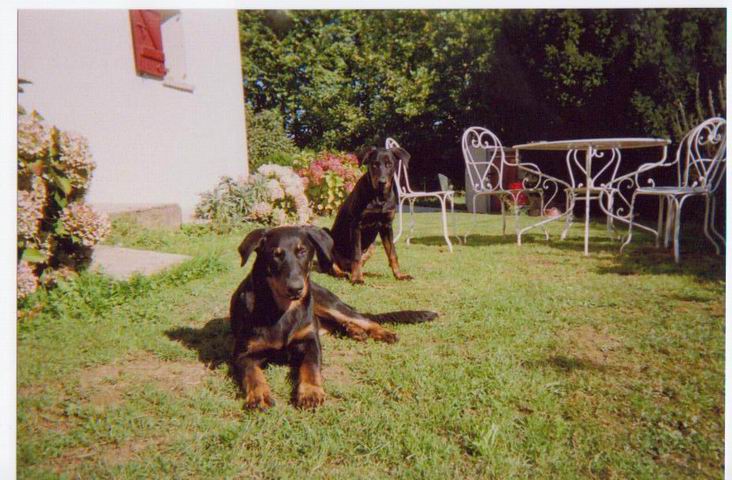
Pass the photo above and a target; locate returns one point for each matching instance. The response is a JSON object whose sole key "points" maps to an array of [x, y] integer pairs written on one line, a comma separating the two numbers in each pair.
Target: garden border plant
{"points": [[57, 230]]}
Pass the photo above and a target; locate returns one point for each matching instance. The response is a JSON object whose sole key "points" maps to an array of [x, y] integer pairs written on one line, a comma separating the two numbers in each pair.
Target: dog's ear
{"points": [[323, 243], [365, 155], [401, 155], [250, 243]]}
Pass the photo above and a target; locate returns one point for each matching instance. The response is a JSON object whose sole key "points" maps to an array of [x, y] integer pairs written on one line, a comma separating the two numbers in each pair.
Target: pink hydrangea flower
{"points": [[27, 280], [81, 221]]}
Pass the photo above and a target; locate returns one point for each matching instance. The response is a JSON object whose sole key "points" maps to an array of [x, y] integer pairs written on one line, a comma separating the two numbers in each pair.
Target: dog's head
{"points": [[381, 164], [285, 254]]}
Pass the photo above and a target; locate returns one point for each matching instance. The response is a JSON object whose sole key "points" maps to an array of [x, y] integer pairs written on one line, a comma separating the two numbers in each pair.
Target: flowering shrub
{"points": [[285, 192], [56, 229], [274, 195], [329, 177], [83, 224], [27, 280], [75, 159]]}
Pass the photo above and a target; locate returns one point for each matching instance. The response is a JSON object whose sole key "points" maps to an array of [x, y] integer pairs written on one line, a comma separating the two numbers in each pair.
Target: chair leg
{"points": [[610, 223], [660, 221], [444, 221], [543, 207], [454, 219], [569, 205], [677, 227], [711, 221], [542, 213], [670, 205], [474, 217], [630, 223], [707, 217], [503, 215], [411, 220], [401, 220], [516, 213]]}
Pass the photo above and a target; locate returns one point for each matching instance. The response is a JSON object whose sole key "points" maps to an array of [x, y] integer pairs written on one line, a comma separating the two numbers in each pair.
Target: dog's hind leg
{"points": [[332, 311]]}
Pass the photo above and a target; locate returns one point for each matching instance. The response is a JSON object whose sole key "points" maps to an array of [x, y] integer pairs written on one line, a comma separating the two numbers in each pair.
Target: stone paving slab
{"points": [[120, 263]]}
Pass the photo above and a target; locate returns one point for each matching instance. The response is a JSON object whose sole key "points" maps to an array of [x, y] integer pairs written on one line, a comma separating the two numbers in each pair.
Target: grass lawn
{"points": [[543, 364]]}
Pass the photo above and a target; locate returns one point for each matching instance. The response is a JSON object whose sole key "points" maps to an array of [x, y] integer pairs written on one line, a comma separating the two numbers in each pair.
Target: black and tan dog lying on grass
{"points": [[278, 310], [367, 211]]}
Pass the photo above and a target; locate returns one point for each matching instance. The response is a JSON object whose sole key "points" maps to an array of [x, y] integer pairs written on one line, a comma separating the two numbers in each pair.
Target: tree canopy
{"points": [[343, 79]]}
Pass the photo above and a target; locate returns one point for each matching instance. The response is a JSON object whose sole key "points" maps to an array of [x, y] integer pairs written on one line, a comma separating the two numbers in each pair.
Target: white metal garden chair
{"points": [[406, 194], [703, 152], [485, 161]]}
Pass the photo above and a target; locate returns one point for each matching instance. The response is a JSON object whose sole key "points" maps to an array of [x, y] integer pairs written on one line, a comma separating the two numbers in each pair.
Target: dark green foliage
{"points": [[343, 79], [267, 140]]}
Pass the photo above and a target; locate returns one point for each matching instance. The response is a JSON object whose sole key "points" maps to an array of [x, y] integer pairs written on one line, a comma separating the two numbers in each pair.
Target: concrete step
{"points": [[120, 263], [149, 215]]}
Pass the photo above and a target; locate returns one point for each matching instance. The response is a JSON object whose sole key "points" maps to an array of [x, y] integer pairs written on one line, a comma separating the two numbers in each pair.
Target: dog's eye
{"points": [[300, 251], [278, 253]]}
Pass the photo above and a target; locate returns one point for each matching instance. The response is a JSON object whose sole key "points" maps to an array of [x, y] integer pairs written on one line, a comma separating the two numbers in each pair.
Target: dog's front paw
{"points": [[259, 398], [357, 281], [310, 396], [403, 276]]}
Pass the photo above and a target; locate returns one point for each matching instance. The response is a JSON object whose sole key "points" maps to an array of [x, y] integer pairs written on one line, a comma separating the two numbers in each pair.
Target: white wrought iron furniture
{"points": [[591, 185], [406, 194], [485, 162], [701, 162]]}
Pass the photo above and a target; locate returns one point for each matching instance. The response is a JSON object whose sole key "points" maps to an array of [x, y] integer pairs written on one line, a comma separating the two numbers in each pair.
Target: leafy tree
{"points": [[342, 79], [267, 140]]}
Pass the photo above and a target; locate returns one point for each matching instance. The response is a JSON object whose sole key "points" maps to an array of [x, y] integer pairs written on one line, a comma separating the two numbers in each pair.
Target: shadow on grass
{"points": [[704, 266], [698, 258], [214, 344], [474, 240], [570, 244], [569, 364]]}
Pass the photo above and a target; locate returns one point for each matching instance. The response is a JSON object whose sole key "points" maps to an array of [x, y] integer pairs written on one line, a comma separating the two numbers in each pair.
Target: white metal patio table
{"points": [[591, 187]]}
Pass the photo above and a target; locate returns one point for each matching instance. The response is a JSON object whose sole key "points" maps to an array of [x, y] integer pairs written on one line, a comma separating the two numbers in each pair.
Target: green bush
{"points": [[280, 158], [267, 140]]}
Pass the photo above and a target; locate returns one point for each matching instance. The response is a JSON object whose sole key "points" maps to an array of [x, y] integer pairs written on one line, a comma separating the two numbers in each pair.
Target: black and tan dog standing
{"points": [[368, 211], [278, 310]]}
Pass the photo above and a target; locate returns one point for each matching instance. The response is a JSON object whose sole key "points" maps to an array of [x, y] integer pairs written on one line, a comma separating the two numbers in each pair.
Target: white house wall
{"points": [[151, 143]]}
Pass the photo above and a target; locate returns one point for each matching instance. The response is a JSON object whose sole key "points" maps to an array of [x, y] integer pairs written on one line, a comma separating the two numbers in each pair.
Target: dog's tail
{"points": [[403, 316]]}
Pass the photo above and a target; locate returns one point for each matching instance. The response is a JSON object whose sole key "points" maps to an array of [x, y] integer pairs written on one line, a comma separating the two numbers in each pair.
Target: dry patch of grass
{"points": [[107, 454], [106, 385]]}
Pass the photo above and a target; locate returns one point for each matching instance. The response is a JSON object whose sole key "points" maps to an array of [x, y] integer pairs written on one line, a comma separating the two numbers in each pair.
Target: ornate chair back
{"points": [[401, 176], [484, 159], [703, 152]]}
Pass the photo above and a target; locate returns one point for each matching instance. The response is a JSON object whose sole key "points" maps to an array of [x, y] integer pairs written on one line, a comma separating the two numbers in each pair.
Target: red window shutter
{"points": [[147, 42]]}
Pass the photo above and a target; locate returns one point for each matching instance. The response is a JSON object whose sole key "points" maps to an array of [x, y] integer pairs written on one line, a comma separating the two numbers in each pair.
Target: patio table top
{"points": [[596, 143]]}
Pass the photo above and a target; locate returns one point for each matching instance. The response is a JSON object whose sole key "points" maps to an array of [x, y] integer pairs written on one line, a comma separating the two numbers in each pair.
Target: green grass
{"points": [[543, 364]]}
